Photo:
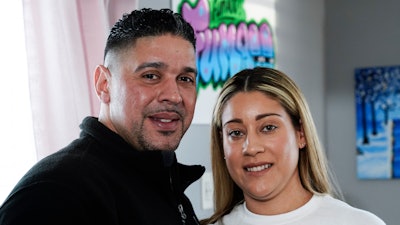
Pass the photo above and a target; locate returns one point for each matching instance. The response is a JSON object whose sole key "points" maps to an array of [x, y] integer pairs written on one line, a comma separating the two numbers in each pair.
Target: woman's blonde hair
{"points": [[312, 165]]}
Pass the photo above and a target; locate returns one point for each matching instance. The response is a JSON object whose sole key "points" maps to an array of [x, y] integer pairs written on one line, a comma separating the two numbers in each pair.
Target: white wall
{"points": [[359, 33]]}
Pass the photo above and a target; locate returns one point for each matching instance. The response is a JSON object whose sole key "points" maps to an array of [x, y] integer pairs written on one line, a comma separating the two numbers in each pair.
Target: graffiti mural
{"points": [[228, 40], [377, 94]]}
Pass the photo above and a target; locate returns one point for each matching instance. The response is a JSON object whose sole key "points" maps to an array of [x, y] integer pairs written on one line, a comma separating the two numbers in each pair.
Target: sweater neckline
{"points": [[302, 211]]}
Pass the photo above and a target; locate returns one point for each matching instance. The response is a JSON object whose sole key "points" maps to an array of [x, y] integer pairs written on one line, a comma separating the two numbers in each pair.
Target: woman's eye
{"points": [[269, 128], [235, 133]]}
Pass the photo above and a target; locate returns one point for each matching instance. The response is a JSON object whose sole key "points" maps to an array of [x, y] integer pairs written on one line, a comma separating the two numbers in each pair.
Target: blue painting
{"points": [[377, 95]]}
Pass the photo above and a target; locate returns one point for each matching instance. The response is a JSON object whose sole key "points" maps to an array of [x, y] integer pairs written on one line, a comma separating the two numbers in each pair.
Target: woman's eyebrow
{"points": [[232, 121], [258, 117]]}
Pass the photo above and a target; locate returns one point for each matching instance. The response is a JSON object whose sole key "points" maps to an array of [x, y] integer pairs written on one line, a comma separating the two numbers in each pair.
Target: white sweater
{"points": [[321, 209]]}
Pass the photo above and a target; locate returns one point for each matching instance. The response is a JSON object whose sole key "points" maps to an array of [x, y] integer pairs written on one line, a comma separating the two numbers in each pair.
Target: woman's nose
{"points": [[252, 146]]}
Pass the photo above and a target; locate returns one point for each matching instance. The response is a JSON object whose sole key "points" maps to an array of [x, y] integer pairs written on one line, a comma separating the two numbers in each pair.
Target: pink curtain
{"points": [[65, 41]]}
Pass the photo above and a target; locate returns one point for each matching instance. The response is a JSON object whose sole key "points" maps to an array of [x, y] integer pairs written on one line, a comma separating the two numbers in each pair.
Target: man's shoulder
{"points": [[65, 166]]}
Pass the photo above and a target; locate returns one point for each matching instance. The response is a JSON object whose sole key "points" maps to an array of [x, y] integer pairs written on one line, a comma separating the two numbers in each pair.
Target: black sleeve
{"points": [[43, 203]]}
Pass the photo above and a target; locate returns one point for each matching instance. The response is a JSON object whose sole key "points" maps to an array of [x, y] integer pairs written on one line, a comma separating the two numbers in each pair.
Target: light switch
{"points": [[207, 191]]}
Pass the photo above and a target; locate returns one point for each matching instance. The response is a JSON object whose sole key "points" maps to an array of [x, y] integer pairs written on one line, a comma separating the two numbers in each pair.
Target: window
{"points": [[17, 149]]}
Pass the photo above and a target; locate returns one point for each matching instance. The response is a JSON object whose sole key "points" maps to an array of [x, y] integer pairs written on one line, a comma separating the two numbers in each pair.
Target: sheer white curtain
{"points": [[65, 41]]}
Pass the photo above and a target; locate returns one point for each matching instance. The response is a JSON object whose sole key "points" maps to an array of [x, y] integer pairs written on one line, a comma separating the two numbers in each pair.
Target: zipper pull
{"points": [[183, 215]]}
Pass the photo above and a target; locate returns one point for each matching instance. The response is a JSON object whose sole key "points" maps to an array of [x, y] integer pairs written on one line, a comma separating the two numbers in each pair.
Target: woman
{"points": [[268, 164]]}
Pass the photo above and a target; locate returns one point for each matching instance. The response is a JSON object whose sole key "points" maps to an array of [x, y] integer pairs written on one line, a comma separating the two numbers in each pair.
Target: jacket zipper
{"points": [[183, 214], [180, 206]]}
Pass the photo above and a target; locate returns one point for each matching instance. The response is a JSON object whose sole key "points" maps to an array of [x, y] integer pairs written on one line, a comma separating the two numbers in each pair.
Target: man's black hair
{"points": [[147, 22]]}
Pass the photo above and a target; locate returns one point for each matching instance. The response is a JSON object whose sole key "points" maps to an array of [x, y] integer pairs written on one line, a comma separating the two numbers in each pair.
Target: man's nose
{"points": [[169, 92]]}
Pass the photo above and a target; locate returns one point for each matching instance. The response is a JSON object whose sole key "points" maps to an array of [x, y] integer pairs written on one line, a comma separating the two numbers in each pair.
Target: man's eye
{"points": [[150, 76], [186, 79]]}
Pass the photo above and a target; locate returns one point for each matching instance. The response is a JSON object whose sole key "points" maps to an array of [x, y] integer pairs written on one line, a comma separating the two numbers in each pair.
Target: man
{"points": [[123, 169]]}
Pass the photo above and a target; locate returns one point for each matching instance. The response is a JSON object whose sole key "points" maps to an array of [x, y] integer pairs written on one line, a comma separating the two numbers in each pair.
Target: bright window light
{"points": [[17, 149]]}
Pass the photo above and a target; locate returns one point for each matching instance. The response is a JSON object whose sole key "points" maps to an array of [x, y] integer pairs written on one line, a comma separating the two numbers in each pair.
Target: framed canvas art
{"points": [[377, 95]]}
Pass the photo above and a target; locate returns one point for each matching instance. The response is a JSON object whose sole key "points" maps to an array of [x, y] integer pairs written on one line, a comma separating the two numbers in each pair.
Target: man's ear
{"points": [[101, 81]]}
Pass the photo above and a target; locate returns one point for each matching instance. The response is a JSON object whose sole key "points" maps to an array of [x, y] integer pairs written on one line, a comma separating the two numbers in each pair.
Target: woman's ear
{"points": [[301, 138], [101, 81]]}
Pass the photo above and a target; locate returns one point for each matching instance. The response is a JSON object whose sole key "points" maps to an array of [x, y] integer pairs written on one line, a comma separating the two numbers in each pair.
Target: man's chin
{"points": [[161, 140], [165, 144]]}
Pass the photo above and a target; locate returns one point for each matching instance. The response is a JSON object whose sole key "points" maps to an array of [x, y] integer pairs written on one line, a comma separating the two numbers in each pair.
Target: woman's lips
{"points": [[258, 168]]}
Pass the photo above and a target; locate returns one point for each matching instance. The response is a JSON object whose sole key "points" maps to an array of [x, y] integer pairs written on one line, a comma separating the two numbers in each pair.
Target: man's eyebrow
{"points": [[190, 70], [156, 65]]}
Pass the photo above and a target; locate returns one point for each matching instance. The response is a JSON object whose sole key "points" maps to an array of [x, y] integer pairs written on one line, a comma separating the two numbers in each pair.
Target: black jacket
{"points": [[99, 179]]}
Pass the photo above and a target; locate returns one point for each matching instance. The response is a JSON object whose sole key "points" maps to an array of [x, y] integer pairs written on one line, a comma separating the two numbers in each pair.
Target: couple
{"points": [[267, 162]]}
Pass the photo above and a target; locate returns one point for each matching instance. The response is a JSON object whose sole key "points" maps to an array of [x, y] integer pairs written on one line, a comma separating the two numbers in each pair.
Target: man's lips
{"points": [[166, 120], [165, 116], [163, 120]]}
